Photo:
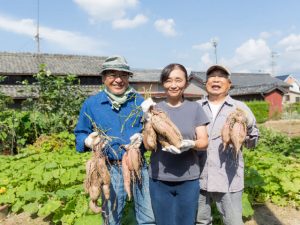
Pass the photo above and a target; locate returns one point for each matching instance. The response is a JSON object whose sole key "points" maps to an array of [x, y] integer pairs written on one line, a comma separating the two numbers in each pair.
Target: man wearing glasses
{"points": [[115, 111]]}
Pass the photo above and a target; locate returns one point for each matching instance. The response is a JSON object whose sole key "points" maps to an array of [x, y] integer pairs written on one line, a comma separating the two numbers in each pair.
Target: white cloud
{"points": [[65, 39], [253, 55], [127, 23], [203, 47], [268, 35], [288, 60], [290, 43], [166, 27], [106, 10], [23, 26]]}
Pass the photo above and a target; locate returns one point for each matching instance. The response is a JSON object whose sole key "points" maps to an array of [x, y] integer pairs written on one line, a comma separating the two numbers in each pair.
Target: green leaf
{"points": [[51, 165], [278, 200], [69, 176], [68, 218], [31, 207], [247, 208], [65, 193], [7, 197], [17, 206], [49, 208], [89, 219], [81, 206], [33, 195]]}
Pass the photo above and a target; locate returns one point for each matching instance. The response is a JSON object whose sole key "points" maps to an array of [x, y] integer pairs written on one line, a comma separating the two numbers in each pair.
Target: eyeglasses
{"points": [[113, 76]]}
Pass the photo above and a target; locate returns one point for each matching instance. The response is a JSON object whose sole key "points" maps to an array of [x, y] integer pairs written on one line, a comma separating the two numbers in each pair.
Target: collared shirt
{"points": [[221, 171], [120, 124]]}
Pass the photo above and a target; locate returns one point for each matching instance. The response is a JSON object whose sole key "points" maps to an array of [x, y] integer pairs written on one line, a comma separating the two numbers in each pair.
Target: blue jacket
{"points": [[119, 125]]}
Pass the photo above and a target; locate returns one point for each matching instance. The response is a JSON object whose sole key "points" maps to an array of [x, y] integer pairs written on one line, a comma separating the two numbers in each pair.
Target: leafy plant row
{"points": [[47, 182], [272, 169]]}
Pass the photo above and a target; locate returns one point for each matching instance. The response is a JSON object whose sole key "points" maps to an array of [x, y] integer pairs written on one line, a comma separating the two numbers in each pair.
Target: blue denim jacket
{"points": [[119, 125]]}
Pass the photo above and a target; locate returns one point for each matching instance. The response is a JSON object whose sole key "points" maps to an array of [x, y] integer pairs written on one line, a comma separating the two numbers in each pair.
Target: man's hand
{"points": [[186, 145], [93, 140], [172, 149]]}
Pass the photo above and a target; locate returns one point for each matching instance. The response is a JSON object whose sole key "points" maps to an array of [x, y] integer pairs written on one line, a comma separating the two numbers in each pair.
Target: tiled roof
{"points": [[257, 89], [248, 79], [28, 63], [282, 77], [140, 75]]}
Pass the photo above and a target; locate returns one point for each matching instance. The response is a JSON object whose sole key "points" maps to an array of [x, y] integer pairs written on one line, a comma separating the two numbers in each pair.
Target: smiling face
{"points": [[217, 85], [175, 84], [116, 81]]}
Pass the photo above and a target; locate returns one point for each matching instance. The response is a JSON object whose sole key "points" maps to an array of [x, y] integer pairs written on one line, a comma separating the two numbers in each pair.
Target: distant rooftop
{"points": [[247, 79], [28, 63]]}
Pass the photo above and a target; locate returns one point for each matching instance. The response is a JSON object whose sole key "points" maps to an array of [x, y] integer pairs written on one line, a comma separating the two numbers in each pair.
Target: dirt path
{"points": [[23, 219], [289, 127], [265, 214], [270, 214]]}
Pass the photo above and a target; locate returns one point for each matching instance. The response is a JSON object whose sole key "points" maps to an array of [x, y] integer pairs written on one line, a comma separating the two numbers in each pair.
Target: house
{"points": [[252, 86], [293, 95], [18, 67]]}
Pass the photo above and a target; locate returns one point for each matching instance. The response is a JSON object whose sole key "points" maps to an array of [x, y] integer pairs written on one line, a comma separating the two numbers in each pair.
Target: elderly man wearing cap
{"points": [[222, 173], [111, 111]]}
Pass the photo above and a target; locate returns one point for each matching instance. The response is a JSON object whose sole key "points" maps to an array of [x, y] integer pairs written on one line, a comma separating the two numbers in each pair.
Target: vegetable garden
{"points": [[42, 174]]}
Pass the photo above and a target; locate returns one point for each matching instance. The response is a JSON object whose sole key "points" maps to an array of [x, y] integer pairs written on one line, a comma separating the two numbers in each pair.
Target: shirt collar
{"points": [[228, 101]]}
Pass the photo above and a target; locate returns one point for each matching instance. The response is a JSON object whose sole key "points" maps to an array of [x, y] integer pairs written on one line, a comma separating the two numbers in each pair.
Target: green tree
{"points": [[56, 101]]}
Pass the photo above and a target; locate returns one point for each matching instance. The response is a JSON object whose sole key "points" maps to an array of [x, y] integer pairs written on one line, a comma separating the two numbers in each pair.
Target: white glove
{"points": [[186, 145], [136, 140], [172, 149], [146, 104], [92, 140]]}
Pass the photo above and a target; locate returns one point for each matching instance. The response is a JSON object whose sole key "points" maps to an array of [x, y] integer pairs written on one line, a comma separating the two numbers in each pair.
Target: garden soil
{"points": [[289, 127], [264, 214]]}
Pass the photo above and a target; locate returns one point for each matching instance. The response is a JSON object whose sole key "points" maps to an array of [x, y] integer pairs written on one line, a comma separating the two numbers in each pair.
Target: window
{"points": [[297, 99], [287, 98]]}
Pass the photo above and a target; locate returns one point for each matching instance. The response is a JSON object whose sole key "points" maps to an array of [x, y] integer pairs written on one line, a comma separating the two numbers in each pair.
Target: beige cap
{"points": [[218, 67]]}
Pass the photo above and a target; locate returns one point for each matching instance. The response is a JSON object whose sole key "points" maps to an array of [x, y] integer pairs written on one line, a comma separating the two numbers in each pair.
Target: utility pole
{"points": [[273, 63], [214, 43], [37, 36]]}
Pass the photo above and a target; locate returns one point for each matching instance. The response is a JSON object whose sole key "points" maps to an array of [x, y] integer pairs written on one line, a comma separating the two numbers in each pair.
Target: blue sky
{"points": [[154, 33]]}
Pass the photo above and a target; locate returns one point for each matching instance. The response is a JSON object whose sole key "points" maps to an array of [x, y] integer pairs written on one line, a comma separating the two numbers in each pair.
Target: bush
{"points": [[59, 100], [260, 110], [292, 111], [272, 169], [277, 142], [16, 130], [4, 100]]}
